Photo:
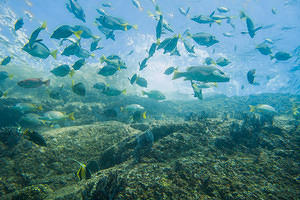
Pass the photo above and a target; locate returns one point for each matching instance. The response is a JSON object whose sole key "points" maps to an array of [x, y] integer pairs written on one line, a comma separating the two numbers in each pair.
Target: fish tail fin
{"points": [[93, 55], [218, 21], [215, 84], [144, 115], [252, 108], [73, 83], [54, 53], [102, 59], [71, 116], [78, 34], [5, 93], [47, 82], [143, 92], [258, 28], [150, 14], [125, 26], [177, 75], [124, 91], [135, 27], [158, 41], [122, 109], [10, 76], [44, 25], [40, 107], [272, 57], [72, 72]]}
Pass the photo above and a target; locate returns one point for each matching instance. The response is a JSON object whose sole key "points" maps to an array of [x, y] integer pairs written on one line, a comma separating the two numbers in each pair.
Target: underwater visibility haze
{"points": [[149, 99]]}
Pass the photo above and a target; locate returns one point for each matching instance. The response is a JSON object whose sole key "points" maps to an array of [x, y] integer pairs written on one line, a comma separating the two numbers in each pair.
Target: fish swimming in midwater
{"points": [[40, 50], [33, 83], [107, 5], [27, 107], [222, 61], [108, 70], [281, 55], [78, 64], [203, 73], [159, 27], [152, 49], [31, 119], [170, 70], [250, 25], [76, 9], [137, 4], [204, 39], [65, 31], [4, 75], [264, 49], [154, 94], [251, 77], [100, 86], [78, 88], [197, 91], [141, 81], [19, 24], [62, 70], [188, 47], [94, 45], [143, 64], [84, 31], [6, 60], [223, 9], [263, 108], [184, 12], [114, 23], [56, 116], [209, 61], [111, 91]]}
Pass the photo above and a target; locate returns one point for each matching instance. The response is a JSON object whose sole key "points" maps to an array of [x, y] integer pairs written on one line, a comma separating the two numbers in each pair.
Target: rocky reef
{"points": [[198, 156]]}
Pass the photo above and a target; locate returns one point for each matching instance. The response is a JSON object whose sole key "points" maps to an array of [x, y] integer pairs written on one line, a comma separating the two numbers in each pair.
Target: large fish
{"points": [[203, 73]]}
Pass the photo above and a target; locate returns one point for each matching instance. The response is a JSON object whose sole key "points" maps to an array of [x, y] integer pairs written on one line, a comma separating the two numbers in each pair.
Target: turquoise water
{"points": [[148, 64]]}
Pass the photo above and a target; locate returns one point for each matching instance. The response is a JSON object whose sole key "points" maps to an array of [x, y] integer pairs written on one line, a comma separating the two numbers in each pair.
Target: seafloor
{"points": [[210, 149]]}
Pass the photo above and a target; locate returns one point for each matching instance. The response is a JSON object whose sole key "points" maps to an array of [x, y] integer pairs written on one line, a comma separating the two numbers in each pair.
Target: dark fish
{"points": [[4, 75], [204, 39], [76, 9], [114, 60], [250, 25], [109, 34], [35, 137], [6, 60], [108, 70], [19, 24], [79, 89], [141, 82], [40, 50], [83, 172], [83, 53], [111, 91], [133, 79], [164, 43], [62, 70], [152, 50], [172, 45], [35, 34], [33, 83], [170, 70], [85, 31], [64, 31], [107, 5], [281, 55], [94, 45], [143, 64], [110, 113], [72, 49], [159, 27], [251, 77], [78, 64], [100, 86]]}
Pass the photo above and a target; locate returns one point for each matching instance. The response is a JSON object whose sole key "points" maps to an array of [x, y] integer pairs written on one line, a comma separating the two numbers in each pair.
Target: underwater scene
{"points": [[149, 99]]}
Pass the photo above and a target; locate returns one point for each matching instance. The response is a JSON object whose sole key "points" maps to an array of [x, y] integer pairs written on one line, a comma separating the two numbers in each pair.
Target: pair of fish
{"points": [[74, 8], [138, 80], [113, 64]]}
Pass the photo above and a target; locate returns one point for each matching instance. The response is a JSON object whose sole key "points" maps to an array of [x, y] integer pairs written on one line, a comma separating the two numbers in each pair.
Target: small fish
{"points": [[72, 49], [201, 19], [35, 34], [137, 4], [100, 86], [136, 111], [56, 116], [250, 26], [251, 77], [228, 34], [110, 113], [152, 49], [4, 75], [188, 47], [222, 61], [33, 83], [84, 31], [106, 5], [74, 8], [78, 64], [154, 94], [143, 64], [78, 88], [19, 24], [204, 39], [35, 137], [6, 60], [274, 11], [172, 44], [65, 31], [209, 61], [27, 107], [184, 12], [263, 108], [203, 73], [170, 70], [159, 27], [133, 79], [223, 9], [141, 81], [61, 71], [113, 60], [281, 56], [130, 53], [83, 172], [111, 91], [94, 45], [115, 23], [264, 49], [197, 91], [109, 34], [108, 70]]}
